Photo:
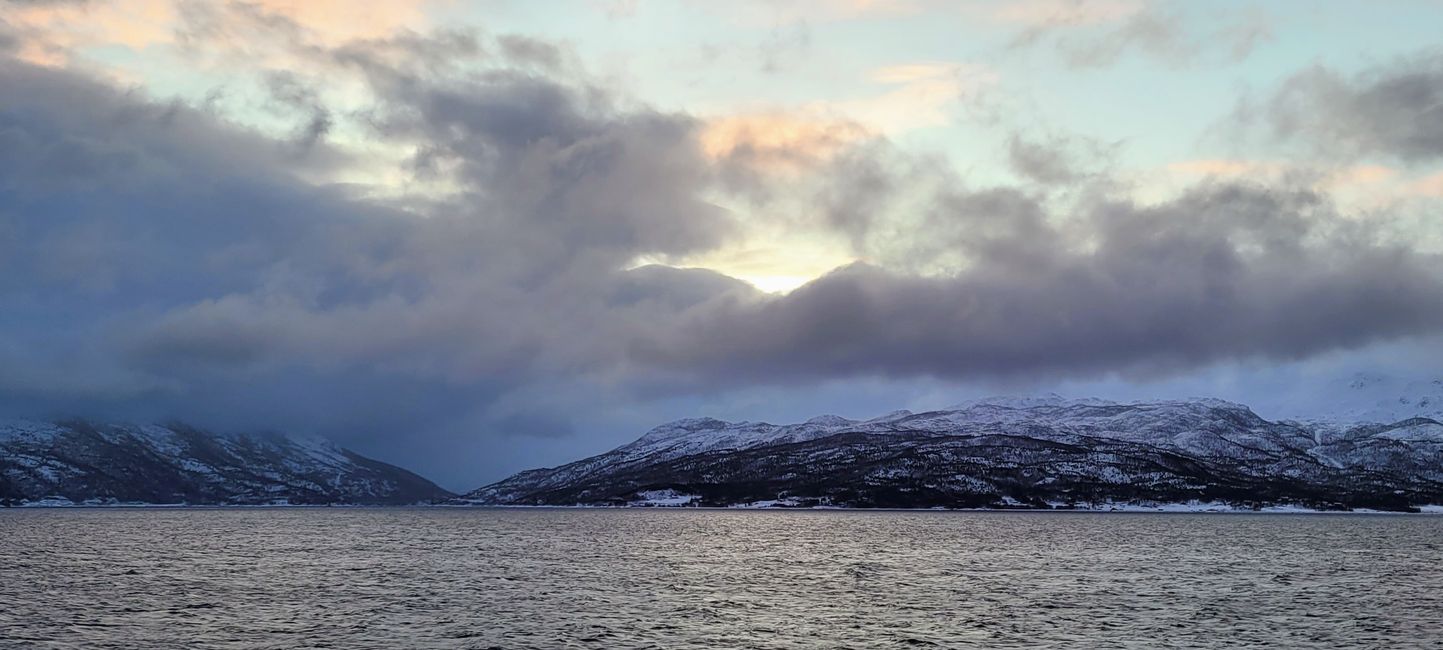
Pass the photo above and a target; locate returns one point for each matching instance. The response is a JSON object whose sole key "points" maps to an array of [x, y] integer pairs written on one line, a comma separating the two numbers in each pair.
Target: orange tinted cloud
{"points": [[52, 32], [1429, 186], [1223, 167], [778, 141], [921, 94], [1360, 175], [337, 21]]}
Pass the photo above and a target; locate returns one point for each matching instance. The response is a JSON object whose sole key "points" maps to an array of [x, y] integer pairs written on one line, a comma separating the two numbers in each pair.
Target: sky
{"points": [[472, 238]]}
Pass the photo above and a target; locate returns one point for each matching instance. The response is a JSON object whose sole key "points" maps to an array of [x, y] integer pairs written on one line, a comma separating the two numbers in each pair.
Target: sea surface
{"points": [[664, 578]]}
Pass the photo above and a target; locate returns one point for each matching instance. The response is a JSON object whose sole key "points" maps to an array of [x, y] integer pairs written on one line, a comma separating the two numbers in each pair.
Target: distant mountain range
{"points": [[1377, 444], [1009, 452], [65, 463]]}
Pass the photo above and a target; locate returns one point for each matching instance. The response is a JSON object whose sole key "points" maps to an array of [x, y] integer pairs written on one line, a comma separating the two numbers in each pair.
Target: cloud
{"points": [[60, 25], [291, 94], [1053, 160], [762, 155], [340, 21], [49, 32], [1226, 271], [778, 140], [1098, 33], [1363, 190], [918, 95], [769, 13], [1039, 15], [783, 43], [285, 34], [194, 247], [1430, 186], [521, 50], [1324, 179], [159, 260], [1392, 111]]}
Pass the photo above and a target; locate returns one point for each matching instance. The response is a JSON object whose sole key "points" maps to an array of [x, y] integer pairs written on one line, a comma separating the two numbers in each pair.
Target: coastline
{"points": [[1170, 508]]}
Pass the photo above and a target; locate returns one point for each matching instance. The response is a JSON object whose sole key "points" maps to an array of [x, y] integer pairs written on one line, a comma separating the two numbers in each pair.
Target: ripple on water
{"points": [[454, 578]]}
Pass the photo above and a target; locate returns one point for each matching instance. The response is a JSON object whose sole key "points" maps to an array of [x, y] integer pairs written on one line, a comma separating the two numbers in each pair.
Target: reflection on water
{"points": [[461, 578]]}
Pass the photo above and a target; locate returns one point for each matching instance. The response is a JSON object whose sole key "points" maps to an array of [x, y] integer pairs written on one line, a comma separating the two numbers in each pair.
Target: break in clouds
{"points": [[156, 258]]}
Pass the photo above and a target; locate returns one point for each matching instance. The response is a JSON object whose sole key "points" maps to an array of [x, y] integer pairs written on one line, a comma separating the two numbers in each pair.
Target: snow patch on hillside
{"points": [[663, 498]]}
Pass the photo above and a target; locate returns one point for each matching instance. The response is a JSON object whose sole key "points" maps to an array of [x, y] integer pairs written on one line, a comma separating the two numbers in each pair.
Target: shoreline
{"points": [[1162, 509]]}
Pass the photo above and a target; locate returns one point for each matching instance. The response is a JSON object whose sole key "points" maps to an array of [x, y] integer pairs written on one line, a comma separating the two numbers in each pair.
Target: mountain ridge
{"points": [[1009, 452], [77, 461]]}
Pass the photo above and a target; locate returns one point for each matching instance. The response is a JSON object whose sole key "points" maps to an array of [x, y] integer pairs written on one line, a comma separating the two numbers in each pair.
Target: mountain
{"points": [[1380, 398], [1008, 452], [80, 462]]}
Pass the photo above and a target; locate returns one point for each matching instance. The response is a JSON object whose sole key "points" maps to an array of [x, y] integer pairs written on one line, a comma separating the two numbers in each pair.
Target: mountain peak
{"points": [[830, 421]]}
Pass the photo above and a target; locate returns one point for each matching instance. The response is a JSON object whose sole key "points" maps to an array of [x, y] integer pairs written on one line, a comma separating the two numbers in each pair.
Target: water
{"points": [[451, 578]]}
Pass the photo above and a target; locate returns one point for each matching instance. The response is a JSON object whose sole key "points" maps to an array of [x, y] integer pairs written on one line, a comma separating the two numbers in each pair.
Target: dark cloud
{"points": [[529, 51], [9, 41], [406, 56], [677, 289], [1222, 272], [291, 94], [1394, 111], [1048, 163], [558, 165], [862, 183], [1062, 162], [158, 261]]}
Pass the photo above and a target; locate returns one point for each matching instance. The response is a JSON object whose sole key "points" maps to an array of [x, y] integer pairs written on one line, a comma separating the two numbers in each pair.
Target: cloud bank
{"points": [[160, 260]]}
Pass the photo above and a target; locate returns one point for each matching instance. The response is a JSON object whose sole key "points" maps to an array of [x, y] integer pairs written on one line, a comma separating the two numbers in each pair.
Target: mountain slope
{"points": [[1036, 452], [1365, 398], [81, 462]]}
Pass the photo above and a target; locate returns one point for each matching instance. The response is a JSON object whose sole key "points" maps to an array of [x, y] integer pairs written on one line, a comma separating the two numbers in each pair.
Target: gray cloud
{"points": [[1039, 162], [291, 94], [1167, 36], [529, 51], [9, 42], [157, 261], [864, 180], [1222, 272], [1393, 110]]}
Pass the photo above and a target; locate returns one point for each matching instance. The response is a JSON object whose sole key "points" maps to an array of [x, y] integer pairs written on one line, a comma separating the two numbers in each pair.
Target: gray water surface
{"points": [[464, 578]]}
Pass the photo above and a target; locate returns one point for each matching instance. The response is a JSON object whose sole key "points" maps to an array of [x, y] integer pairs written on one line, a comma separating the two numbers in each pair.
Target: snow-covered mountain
{"points": [[80, 462], [1377, 398], [1011, 451]]}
